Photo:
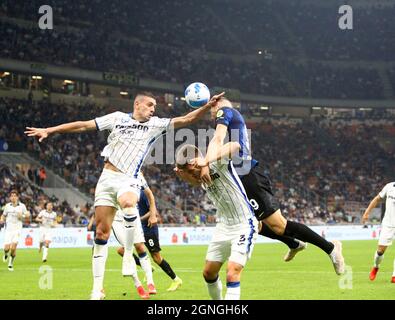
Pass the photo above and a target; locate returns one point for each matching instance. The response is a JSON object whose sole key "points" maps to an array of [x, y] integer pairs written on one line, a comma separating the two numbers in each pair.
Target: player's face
{"points": [[13, 198], [49, 207], [145, 108], [190, 175]]}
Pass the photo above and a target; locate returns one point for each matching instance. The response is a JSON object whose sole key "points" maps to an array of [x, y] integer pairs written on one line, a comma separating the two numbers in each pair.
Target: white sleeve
{"points": [[161, 125], [383, 193], [107, 121], [40, 214], [5, 213]]}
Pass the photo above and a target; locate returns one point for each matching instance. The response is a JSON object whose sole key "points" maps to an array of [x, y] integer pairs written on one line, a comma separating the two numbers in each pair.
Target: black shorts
{"points": [[152, 239], [260, 193]]}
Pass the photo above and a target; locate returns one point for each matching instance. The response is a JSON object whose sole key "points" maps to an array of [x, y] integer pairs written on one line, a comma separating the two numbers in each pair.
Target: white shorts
{"points": [[112, 185], [45, 234], [12, 236], [233, 243], [386, 236], [118, 229]]}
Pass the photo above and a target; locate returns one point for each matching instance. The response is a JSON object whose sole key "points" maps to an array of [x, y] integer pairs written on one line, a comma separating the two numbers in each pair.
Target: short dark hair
{"points": [[185, 154], [14, 191], [145, 94]]}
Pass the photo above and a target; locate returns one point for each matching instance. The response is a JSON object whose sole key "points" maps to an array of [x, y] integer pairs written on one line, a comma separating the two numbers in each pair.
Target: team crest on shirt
{"points": [[220, 113]]}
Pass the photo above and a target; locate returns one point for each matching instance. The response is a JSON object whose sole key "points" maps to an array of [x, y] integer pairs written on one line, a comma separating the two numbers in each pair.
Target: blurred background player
{"points": [[259, 188], [387, 226], [13, 215], [47, 220], [123, 155], [147, 206], [237, 228]]}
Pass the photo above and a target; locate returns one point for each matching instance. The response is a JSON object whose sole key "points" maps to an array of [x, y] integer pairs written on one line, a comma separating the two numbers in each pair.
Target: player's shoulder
{"points": [[21, 204], [390, 185]]}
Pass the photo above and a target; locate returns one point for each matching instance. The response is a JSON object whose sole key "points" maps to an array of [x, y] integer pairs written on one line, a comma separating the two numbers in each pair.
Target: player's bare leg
{"points": [[280, 225], [378, 258], [233, 274], [12, 256], [104, 216], [6, 252], [211, 276]]}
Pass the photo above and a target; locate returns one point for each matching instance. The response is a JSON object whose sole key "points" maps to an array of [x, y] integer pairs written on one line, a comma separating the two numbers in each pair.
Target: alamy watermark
{"points": [[346, 20], [46, 20], [45, 282]]}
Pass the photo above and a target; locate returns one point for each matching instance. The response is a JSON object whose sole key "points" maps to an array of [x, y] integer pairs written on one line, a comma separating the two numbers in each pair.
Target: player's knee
{"points": [[381, 251], [127, 203], [139, 248], [102, 234], [209, 275]]}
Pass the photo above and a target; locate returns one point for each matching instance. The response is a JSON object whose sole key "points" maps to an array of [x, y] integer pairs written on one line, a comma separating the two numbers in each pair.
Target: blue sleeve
{"points": [[224, 116]]}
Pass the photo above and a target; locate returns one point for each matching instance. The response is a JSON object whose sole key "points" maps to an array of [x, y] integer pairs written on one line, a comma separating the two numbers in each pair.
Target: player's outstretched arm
{"points": [[71, 127], [225, 152], [151, 214], [373, 204], [195, 115]]}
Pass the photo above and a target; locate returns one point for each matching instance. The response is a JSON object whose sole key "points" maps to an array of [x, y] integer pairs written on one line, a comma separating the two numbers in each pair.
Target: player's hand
{"points": [[152, 220], [205, 175], [41, 133], [199, 162], [214, 99], [365, 217]]}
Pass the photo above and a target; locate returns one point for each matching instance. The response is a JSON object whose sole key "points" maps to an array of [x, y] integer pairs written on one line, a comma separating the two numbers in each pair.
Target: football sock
{"points": [[136, 259], [267, 232], [304, 233], [232, 291], [215, 288], [100, 251], [45, 253], [11, 261], [378, 258], [167, 269], [146, 266]]}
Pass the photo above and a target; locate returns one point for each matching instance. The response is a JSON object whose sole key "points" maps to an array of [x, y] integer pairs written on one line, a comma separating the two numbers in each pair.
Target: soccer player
{"points": [[13, 215], [146, 205], [47, 220], [387, 226], [259, 189], [130, 139], [236, 231]]}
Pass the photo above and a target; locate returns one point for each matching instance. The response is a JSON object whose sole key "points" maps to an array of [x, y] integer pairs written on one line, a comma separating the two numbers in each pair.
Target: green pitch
{"points": [[309, 276]]}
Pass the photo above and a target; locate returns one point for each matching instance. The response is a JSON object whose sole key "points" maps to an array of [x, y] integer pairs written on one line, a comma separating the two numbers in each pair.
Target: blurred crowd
{"points": [[312, 162], [258, 47]]}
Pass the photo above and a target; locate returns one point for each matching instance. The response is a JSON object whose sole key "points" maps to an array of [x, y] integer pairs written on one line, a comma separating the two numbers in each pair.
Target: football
{"points": [[197, 94]]}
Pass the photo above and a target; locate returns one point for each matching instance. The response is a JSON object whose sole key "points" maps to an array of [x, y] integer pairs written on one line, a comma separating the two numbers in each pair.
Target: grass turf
{"points": [[309, 276]]}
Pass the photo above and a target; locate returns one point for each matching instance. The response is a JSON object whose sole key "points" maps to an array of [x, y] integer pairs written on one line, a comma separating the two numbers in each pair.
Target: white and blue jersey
{"points": [[237, 132]]}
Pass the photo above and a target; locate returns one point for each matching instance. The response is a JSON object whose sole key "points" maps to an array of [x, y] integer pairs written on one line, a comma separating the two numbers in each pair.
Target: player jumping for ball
{"points": [[259, 190], [130, 139]]}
